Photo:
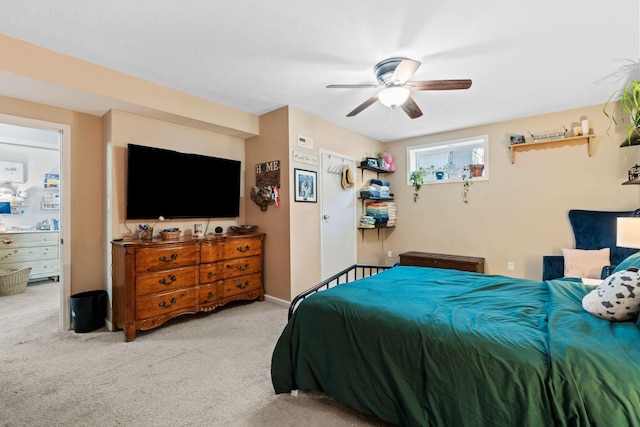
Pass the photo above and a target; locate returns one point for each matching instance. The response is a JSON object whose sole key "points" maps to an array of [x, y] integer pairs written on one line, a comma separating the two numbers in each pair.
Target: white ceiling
{"points": [[525, 57]]}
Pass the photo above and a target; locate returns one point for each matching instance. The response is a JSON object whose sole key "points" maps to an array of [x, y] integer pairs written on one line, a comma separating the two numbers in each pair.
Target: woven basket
{"points": [[170, 235], [13, 281]]}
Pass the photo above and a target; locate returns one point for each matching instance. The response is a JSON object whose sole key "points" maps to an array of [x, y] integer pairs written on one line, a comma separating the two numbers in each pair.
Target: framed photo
{"points": [[306, 185], [517, 139]]}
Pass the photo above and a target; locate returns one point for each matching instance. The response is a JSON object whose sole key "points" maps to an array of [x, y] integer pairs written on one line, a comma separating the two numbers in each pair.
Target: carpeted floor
{"points": [[210, 369]]}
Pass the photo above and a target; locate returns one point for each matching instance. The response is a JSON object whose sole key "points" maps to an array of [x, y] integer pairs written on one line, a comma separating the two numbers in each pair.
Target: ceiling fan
{"points": [[393, 75]]}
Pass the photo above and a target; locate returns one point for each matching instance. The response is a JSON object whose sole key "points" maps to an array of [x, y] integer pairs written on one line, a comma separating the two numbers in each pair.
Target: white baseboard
{"points": [[277, 300]]}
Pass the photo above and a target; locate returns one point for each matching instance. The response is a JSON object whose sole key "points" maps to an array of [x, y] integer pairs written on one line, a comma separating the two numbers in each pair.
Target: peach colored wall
{"points": [[118, 89], [520, 213], [305, 217], [270, 145], [131, 128], [84, 190]]}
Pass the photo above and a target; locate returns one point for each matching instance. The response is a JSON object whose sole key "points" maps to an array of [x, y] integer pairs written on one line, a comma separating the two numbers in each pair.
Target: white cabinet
{"points": [[39, 250]]}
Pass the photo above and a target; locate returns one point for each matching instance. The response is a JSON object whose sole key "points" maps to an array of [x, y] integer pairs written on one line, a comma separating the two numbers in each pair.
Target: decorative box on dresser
{"points": [[158, 280], [39, 250]]}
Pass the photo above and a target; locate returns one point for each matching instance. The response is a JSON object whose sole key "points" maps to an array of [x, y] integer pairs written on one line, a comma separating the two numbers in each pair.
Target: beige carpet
{"points": [[209, 369]]}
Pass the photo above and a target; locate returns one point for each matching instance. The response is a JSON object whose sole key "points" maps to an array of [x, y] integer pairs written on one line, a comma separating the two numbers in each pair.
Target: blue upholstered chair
{"points": [[592, 230]]}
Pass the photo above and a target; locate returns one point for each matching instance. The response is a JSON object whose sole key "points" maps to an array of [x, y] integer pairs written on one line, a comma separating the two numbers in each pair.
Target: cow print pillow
{"points": [[617, 298]]}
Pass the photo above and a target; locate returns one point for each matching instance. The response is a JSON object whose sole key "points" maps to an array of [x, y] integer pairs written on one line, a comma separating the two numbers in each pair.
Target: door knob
{"points": [[325, 217]]}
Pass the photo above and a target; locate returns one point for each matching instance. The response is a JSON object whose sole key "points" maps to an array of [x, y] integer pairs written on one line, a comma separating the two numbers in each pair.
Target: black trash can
{"points": [[88, 310]]}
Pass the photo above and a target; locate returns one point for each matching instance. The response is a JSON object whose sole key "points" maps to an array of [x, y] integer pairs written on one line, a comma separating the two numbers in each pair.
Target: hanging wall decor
{"points": [[11, 172], [266, 191]]}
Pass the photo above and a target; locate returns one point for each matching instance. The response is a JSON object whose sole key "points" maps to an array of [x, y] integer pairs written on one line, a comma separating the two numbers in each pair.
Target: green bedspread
{"points": [[420, 346]]}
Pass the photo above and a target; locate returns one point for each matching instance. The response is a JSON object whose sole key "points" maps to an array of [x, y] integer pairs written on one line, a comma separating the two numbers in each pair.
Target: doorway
{"points": [[338, 215], [39, 206]]}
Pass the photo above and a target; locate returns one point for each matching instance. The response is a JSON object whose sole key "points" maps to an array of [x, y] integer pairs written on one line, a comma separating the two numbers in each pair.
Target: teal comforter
{"points": [[428, 347]]}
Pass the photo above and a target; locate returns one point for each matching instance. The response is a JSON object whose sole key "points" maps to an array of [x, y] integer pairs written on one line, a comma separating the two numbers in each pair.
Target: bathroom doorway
{"points": [[33, 153]]}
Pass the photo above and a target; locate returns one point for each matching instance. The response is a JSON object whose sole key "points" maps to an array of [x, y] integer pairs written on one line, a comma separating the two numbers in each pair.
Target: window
{"points": [[449, 160]]}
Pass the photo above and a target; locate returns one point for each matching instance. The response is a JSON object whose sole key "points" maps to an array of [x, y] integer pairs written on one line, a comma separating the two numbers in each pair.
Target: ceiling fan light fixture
{"points": [[393, 96]]}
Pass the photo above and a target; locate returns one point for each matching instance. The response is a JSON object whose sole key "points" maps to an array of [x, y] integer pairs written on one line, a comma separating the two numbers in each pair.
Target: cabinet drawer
{"points": [[242, 266], [209, 294], [210, 252], [241, 285], [150, 259], [163, 304], [20, 254], [162, 281], [210, 272], [243, 247], [39, 269], [21, 240]]}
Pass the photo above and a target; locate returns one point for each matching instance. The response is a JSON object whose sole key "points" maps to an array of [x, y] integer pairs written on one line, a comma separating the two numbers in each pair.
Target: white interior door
{"points": [[338, 210]]}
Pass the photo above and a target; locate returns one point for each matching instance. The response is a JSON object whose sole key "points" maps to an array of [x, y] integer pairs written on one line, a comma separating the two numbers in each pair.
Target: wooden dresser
{"points": [[39, 250], [155, 281], [451, 262]]}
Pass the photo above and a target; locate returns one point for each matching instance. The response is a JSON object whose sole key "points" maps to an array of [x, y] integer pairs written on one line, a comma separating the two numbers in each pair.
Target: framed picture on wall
{"points": [[306, 185]]}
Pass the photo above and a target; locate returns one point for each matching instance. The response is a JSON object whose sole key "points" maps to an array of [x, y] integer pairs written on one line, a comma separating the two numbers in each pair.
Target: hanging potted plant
{"points": [[630, 107], [466, 183], [417, 180]]}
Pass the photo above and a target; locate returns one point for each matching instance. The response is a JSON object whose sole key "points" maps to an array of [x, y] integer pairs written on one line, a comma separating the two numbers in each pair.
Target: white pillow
{"points": [[585, 263], [617, 298]]}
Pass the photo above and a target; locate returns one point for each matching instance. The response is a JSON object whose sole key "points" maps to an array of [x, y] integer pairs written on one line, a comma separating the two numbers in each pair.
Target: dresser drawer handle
{"points": [[210, 294], [165, 305], [242, 268], [7, 241], [210, 274], [172, 258], [242, 285], [172, 279], [245, 249]]}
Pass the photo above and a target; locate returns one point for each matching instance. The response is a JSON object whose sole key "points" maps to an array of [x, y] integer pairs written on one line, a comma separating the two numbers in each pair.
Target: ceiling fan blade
{"points": [[362, 106], [356, 86], [405, 70], [411, 108], [439, 84]]}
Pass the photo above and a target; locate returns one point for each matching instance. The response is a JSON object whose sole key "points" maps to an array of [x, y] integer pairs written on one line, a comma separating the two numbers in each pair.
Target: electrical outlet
{"points": [[389, 254], [511, 266]]}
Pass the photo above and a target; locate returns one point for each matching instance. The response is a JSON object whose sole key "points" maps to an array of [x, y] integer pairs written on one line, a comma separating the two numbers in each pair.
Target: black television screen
{"points": [[180, 185]]}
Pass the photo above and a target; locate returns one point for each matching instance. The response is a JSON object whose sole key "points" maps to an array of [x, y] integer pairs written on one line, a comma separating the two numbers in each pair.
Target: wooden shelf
{"points": [[632, 182], [552, 143]]}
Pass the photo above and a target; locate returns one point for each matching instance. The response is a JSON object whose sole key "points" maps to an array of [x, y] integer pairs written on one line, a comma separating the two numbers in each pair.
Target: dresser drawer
{"points": [[19, 254], [210, 272], [20, 240], [242, 266], [167, 280], [165, 303], [39, 269], [241, 285], [209, 294], [242, 247], [210, 252], [150, 259]]}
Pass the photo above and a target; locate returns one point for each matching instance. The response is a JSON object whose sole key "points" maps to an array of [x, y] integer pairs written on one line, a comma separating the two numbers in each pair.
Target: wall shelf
{"points": [[375, 169], [632, 182], [552, 143]]}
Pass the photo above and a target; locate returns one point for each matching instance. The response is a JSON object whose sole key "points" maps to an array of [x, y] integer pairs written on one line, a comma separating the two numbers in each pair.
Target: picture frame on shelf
{"points": [[517, 139], [306, 185], [373, 162]]}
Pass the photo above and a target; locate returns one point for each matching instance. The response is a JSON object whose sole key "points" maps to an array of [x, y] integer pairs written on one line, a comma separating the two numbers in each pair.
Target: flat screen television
{"points": [[173, 184]]}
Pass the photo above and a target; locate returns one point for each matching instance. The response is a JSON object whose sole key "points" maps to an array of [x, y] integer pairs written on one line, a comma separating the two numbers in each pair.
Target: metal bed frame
{"points": [[349, 274]]}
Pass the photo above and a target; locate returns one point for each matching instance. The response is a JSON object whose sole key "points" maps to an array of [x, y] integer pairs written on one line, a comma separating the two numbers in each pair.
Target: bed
{"points": [[420, 346]]}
